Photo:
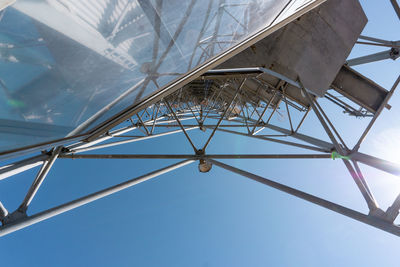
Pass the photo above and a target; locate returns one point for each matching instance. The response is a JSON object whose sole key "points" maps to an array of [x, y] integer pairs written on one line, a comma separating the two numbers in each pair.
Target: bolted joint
{"points": [[377, 213], [200, 152], [47, 153], [394, 53], [336, 155], [391, 214], [3, 212], [14, 216], [65, 150], [201, 127]]}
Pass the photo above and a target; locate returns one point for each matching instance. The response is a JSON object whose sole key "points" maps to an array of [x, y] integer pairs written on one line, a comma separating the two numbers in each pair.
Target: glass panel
{"points": [[67, 65]]}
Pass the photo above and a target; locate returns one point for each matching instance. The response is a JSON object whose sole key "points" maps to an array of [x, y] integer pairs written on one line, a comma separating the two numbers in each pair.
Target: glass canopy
{"points": [[68, 65]]}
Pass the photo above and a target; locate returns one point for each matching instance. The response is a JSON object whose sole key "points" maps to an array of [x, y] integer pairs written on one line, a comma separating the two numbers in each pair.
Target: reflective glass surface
{"points": [[67, 65]]}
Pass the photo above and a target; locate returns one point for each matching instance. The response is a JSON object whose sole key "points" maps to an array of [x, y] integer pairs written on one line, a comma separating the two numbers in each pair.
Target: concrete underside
{"points": [[312, 48]]}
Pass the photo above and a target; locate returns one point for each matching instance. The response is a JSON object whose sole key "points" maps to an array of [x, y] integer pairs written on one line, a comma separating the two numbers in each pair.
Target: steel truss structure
{"points": [[221, 100], [240, 101]]}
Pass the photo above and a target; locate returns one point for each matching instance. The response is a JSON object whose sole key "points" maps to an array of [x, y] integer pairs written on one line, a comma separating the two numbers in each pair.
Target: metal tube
{"points": [[187, 104], [142, 123], [392, 44], [39, 180], [180, 124], [20, 166], [277, 141], [259, 130], [359, 173], [323, 123], [12, 227], [393, 211], [367, 219], [263, 112], [330, 124], [373, 39], [81, 145], [273, 112], [129, 141], [206, 125], [213, 102], [308, 139], [288, 112], [124, 130], [387, 54], [3, 211], [254, 70], [377, 113], [188, 156], [372, 205], [362, 186], [396, 7], [223, 115], [154, 120], [302, 120], [377, 163]]}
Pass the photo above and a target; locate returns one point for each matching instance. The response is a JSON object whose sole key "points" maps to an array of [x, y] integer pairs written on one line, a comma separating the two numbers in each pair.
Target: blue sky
{"points": [[185, 218]]}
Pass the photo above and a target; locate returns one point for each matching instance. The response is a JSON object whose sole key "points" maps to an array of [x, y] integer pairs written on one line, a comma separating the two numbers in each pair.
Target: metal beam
{"points": [[21, 166], [322, 121], [277, 141], [195, 157], [224, 113], [396, 7], [376, 163], [180, 125], [362, 185], [367, 219], [44, 215], [129, 141], [392, 53], [39, 180], [308, 139], [378, 112]]}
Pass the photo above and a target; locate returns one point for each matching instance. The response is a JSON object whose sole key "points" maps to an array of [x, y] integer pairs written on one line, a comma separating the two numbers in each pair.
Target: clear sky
{"points": [[186, 218]]}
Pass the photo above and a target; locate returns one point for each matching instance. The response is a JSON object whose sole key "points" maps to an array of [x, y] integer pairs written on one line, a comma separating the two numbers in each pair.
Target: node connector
{"points": [[204, 166], [202, 128], [3, 212]]}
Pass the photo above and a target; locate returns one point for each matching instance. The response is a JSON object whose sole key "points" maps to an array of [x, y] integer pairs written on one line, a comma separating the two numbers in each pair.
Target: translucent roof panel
{"points": [[68, 65]]}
